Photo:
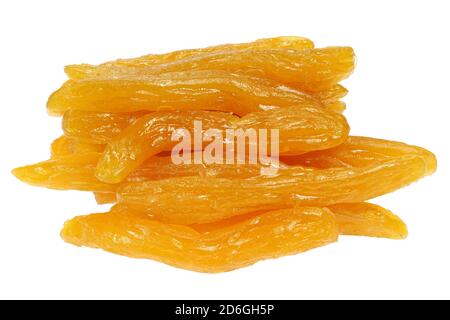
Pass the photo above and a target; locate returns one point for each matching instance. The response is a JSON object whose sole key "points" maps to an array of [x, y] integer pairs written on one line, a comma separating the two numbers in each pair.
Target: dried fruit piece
{"points": [[66, 172], [148, 136], [301, 129], [366, 219], [85, 70], [64, 146], [77, 172], [270, 235], [360, 152], [191, 90], [212, 199], [92, 127], [309, 69]]}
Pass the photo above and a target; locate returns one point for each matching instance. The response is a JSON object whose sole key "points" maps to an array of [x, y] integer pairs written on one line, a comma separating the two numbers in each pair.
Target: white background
{"points": [[400, 91]]}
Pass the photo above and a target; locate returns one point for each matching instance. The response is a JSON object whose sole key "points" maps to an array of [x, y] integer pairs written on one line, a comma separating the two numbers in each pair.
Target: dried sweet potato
{"points": [[301, 129], [366, 219], [270, 235], [290, 42], [190, 90], [212, 199]]}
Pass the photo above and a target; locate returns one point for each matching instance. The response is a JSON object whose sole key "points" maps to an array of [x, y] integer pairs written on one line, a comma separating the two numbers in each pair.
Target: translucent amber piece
{"points": [[98, 128], [190, 90], [85, 70], [270, 235], [77, 172], [212, 199], [301, 129], [64, 146], [309, 69], [366, 219]]}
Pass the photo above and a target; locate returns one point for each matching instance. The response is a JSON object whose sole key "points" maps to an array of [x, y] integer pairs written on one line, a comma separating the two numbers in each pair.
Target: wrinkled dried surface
{"points": [[212, 199], [64, 146], [191, 90], [77, 172], [270, 235], [97, 128], [309, 69], [85, 70], [301, 129], [366, 219]]}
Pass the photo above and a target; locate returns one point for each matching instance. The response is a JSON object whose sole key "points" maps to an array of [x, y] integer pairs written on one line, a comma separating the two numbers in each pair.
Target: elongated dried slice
{"points": [[270, 235], [93, 127], [212, 199], [64, 146], [366, 219], [150, 135], [310, 69], [190, 90], [301, 129], [360, 152], [288, 42], [77, 172], [68, 172]]}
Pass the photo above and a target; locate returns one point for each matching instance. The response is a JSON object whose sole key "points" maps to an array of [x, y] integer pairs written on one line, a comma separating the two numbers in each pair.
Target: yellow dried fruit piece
{"points": [[301, 129], [77, 172], [309, 69], [213, 199], [98, 128], [270, 235], [287, 42], [370, 220], [190, 90], [64, 146]]}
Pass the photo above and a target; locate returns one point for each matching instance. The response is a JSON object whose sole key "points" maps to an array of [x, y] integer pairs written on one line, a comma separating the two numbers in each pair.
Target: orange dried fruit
{"points": [[190, 90], [366, 219], [288, 42], [270, 235], [212, 199], [301, 129], [309, 69]]}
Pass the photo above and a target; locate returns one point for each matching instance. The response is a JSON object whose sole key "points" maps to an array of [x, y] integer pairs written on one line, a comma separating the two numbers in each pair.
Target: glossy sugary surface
{"points": [[269, 235], [301, 129], [189, 90], [308, 69], [212, 199], [77, 172], [118, 121], [290, 42], [366, 219]]}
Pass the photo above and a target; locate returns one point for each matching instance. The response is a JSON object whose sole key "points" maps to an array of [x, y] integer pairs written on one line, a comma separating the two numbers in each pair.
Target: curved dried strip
{"points": [[289, 42], [93, 127], [64, 146], [310, 69], [148, 136], [77, 172], [270, 235], [65, 173], [366, 219], [212, 199], [301, 129], [191, 90], [360, 152]]}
